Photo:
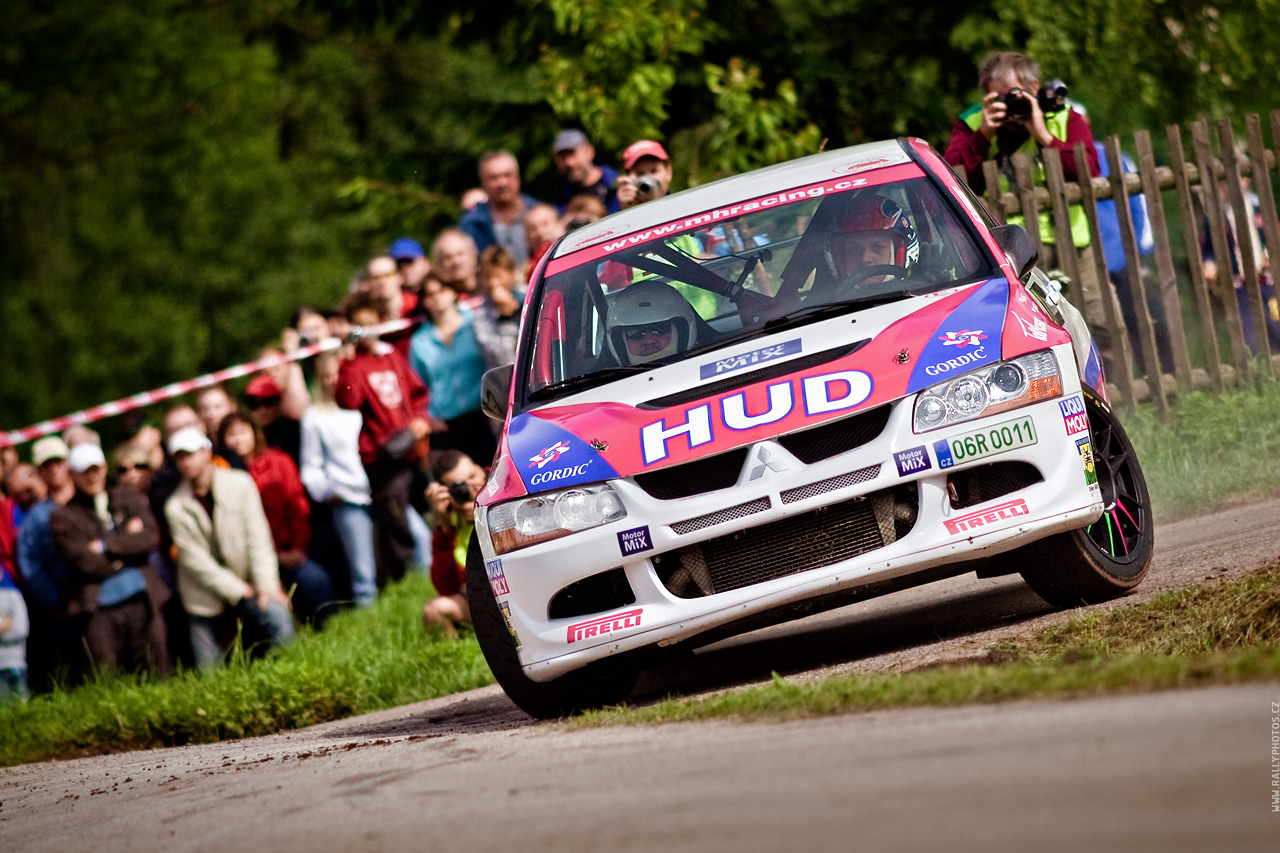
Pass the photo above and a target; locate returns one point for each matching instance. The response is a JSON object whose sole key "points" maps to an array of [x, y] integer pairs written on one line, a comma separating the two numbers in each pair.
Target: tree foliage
{"points": [[176, 176]]}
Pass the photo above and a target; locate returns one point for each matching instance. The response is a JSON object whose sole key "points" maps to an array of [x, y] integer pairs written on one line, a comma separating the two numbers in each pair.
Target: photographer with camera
{"points": [[646, 173], [458, 480], [1017, 114]]}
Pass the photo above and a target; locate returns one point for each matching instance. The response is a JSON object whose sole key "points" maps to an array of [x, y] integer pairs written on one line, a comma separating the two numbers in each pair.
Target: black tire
{"points": [[1112, 555], [605, 682]]}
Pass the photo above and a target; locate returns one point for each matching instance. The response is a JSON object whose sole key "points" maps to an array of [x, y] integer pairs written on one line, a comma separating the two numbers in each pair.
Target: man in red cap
{"points": [[646, 173], [262, 397]]}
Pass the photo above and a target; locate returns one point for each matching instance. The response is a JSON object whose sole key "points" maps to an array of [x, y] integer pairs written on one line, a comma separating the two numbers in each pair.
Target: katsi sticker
{"points": [[1085, 446], [497, 580], [505, 609], [635, 541], [1073, 415], [912, 461], [605, 625]]}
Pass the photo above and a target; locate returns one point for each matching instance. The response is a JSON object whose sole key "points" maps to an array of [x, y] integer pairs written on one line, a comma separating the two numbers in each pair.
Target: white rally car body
{"points": [[785, 462]]}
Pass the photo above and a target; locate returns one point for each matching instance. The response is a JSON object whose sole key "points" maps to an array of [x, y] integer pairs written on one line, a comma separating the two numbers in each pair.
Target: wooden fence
{"points": [[1197, 182]]}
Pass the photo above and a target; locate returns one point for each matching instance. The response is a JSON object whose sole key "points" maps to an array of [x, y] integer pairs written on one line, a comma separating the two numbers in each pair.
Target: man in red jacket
{"points": [[378, 382]]}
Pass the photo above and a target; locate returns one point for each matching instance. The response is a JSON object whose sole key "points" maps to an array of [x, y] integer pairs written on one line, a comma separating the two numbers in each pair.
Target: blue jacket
{"points": [[478, 225]]}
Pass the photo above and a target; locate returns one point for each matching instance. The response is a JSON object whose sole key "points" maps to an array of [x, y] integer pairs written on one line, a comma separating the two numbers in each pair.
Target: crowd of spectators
{"points": [[246, 516]]}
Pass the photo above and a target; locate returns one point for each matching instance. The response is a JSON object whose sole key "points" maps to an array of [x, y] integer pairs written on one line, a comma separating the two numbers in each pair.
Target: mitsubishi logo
{"points": [[762, 456]]}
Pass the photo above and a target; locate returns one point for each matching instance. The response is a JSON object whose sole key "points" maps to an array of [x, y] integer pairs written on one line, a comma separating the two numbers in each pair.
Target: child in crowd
{"points": [[497, 318], [13, 640]]}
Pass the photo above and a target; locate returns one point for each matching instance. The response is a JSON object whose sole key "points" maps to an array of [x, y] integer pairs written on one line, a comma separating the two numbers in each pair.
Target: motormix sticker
{"points": [[747, 359], [912, 461], [635, 541]]}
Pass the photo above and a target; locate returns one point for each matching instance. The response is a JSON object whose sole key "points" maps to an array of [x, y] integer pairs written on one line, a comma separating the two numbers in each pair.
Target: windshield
{"points": [[645, 301]]}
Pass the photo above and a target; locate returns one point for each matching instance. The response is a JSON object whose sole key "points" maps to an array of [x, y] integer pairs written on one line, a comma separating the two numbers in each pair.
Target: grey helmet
{"points": [[643, 304]]}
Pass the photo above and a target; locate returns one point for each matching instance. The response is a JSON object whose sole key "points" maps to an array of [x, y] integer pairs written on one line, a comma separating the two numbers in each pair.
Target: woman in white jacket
{"points": [[333, 475]]}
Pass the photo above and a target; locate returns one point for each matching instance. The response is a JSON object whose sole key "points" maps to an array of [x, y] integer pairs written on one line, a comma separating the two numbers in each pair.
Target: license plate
{"points": [[985, 442]]}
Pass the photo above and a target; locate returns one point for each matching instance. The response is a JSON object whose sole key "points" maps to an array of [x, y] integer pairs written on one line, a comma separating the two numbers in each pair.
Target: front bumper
{"points": [[776, 491]]}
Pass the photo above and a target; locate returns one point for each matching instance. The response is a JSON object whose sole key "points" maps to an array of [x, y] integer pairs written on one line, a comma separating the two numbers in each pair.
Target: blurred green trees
{"points": [[177, 175]]}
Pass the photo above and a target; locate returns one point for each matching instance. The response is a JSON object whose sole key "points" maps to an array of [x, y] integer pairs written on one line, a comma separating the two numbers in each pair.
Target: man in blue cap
{"points": [[412, 262]]}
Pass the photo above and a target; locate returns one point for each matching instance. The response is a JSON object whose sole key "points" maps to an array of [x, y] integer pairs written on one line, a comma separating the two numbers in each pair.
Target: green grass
{"points": [[364, 660], [1211, 452], [1218, 634]]}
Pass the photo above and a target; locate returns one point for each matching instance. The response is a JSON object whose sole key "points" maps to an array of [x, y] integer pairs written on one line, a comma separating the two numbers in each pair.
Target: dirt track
{"points": [[1186, 770]]}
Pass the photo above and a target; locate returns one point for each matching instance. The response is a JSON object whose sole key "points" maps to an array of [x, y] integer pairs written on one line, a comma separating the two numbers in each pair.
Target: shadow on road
{"points": [[841, 636]]}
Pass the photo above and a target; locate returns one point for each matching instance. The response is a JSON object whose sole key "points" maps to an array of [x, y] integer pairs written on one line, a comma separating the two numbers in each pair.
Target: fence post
{"points": [[1168, 277], [1027, 198], [995, 198], [1067, 259], [1221, 249], [1245, 235], [1262, 184], [1137, 289], [1191, 236], [1087, 201]]}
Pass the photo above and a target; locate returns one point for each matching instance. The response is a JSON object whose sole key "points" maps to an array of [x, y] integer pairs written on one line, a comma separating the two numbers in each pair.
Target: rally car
{"points": [[779, 393]]}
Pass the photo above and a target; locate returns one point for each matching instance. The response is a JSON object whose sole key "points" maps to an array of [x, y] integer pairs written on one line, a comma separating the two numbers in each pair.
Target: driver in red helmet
{"points": [[871, 231]]}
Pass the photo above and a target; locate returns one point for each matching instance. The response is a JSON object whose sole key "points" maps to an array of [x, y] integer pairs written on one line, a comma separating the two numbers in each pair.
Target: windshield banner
{"points": [[621, 241]]}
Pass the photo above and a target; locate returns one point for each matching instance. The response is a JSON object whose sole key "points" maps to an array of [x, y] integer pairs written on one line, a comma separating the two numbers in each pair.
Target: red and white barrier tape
{"points": [[177, 389]]}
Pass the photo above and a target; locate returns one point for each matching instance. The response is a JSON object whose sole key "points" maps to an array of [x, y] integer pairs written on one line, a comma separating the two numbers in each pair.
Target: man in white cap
{"points": [[54, 643], [114, 594], [647, 173], [227, 569]]}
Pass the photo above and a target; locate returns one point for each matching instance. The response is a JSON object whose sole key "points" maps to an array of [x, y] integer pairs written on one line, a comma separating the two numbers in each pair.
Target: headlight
{"points": [[550, 515], [1002, 386]]}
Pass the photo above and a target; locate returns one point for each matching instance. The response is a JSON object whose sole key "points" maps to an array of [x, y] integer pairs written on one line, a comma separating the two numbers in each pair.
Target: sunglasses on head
{"points": [[654, 330], [258, 402]]}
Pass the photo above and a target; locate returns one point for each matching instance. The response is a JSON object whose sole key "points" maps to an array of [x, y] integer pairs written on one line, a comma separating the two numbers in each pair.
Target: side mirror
{"points": [[1017, 247], [495, 390]]}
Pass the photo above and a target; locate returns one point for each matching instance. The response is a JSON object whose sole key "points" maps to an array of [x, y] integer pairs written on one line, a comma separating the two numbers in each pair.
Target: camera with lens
{"points": [[460, 493], [1017, 106], [1052, 96], [646, 185]]}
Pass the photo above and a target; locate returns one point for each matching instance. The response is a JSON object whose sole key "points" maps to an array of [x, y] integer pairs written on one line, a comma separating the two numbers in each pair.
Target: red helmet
{"points": [[871, 212]]}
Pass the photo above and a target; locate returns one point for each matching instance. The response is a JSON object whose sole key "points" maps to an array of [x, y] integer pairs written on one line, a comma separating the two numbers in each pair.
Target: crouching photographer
{"points": [[458, 481], [646, 173]]}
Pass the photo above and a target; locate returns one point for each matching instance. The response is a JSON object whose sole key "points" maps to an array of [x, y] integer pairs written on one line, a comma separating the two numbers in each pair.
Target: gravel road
{"points": [[1169, 771]]}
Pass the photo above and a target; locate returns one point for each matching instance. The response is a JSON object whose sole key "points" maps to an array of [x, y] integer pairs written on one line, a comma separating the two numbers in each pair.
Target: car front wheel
{"points": [[1112, 555], [605, 682]]}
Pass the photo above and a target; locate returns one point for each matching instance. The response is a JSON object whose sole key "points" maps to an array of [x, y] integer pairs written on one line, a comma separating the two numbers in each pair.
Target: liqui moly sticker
{"points": [[605, 625], [497, 579], [1073, 415], [981, 518]]}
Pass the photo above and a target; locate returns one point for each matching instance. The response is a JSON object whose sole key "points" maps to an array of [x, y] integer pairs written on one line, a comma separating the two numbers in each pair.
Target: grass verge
{"points": [[1210, 451], [364, 660], [1218, 634]]}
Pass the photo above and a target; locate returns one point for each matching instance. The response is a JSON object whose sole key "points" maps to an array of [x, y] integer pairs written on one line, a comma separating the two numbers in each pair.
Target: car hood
{"points": [[760, 388]]}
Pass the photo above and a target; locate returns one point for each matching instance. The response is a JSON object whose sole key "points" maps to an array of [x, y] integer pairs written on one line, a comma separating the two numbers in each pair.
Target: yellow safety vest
{"points": [[1057, 125]]}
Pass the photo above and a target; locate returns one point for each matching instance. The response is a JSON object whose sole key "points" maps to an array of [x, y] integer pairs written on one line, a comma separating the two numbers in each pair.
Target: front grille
{"points": [[713, 518], [693, 478], [988, 482], [595, 594], [836, 437], [789, 546], [821, 487]]}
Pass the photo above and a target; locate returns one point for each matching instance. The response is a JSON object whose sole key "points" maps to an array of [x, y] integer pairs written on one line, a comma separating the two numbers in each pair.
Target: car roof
{"points": [[783, 176]]}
